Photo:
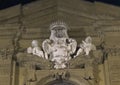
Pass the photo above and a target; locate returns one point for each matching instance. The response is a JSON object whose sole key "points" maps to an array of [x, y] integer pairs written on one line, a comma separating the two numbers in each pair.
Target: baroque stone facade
{"points": [[19, 25]]}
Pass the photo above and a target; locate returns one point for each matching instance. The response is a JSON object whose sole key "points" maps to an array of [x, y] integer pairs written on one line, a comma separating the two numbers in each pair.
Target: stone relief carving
{"points": [[59, 46], [61, 52], [61, 75], [35, 49], [86, 46], [60, 49]]}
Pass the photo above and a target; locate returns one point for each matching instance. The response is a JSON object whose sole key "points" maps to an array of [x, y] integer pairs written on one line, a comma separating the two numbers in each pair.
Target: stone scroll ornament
{"points": [[59, 48]]}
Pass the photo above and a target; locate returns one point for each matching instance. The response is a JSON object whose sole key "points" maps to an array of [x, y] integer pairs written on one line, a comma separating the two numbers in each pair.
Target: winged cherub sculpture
{"points": [[35, 49]]}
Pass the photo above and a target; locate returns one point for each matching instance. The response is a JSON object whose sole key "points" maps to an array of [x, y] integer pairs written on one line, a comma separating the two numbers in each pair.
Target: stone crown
{"points": [[58, 24]]}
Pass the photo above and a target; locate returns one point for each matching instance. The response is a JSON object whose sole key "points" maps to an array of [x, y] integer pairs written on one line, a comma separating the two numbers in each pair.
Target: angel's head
{"points": [[58, 30], [34, 43], [88, 39]]}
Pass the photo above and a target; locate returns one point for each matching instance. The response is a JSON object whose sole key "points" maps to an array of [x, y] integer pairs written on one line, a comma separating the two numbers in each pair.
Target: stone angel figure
{"points": [[59, 46], [35, 49], [86, 61], [86, 46]]}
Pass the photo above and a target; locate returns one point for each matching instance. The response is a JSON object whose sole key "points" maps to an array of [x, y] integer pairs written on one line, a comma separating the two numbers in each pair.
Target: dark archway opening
{"points": [[61, 82]]}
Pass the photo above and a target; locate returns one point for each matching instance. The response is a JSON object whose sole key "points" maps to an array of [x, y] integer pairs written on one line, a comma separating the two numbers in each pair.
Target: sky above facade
{"points": [[8, 3]]}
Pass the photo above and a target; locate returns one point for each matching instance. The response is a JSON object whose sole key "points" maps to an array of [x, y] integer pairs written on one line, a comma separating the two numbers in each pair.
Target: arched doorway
{"points": [[61, 82], [48, 80]]}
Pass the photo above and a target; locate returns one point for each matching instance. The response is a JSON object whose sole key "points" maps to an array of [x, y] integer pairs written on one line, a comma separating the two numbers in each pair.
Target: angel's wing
{"points": [[46, 46], [73, 45]]}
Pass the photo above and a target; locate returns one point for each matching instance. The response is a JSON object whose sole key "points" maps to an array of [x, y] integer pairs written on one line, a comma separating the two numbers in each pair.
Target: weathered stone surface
{"points": [[114, 69], [98, 20]]}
